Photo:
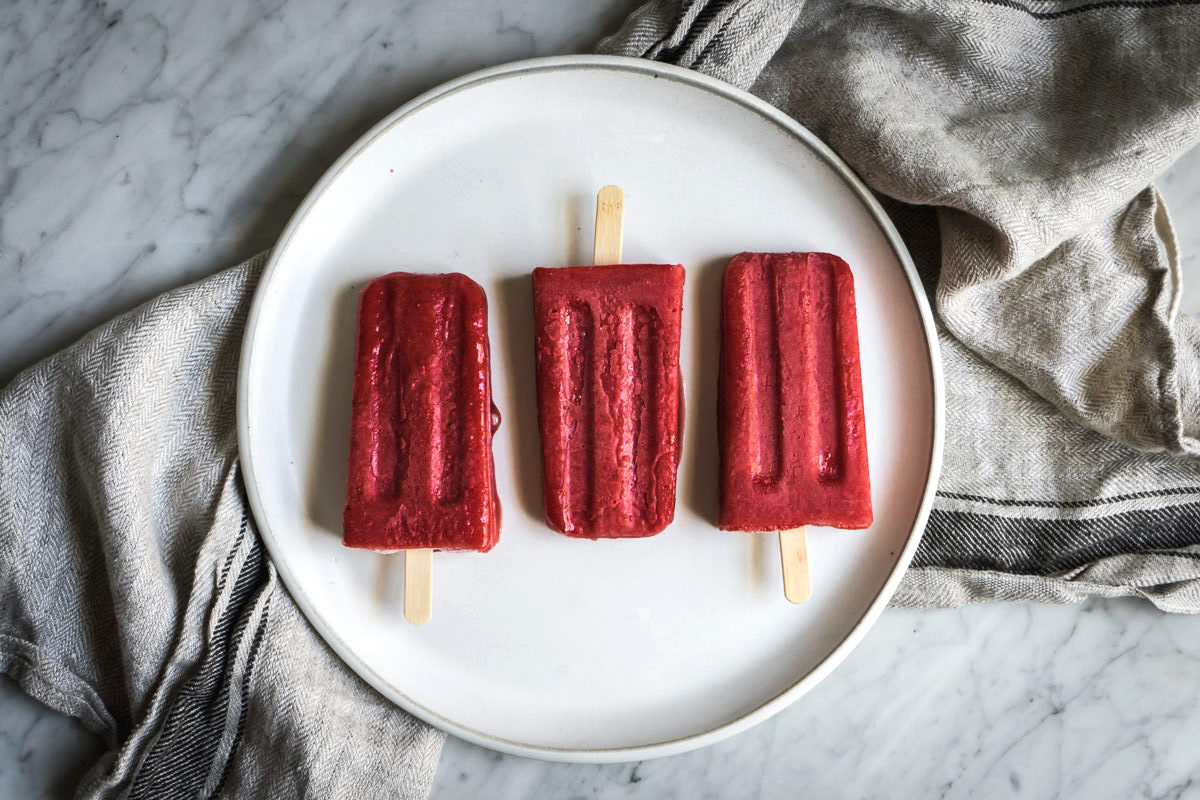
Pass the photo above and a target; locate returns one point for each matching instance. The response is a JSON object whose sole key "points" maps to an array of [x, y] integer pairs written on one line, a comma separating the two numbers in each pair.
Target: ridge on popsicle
{"points": [[421, 472], [610, 397], [791, 422]]}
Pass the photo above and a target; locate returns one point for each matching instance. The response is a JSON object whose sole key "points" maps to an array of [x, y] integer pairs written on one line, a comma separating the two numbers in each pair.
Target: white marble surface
{"points": [[147, 144]]}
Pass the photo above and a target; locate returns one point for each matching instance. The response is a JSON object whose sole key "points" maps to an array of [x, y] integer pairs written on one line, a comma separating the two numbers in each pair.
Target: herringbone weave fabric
{"points": [[135, 595], [1015, 144]]}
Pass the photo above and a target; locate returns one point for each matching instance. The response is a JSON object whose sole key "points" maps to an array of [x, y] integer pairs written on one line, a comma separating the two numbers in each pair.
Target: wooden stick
{"points": [[610, 219], [418, 586], [793, 552]]}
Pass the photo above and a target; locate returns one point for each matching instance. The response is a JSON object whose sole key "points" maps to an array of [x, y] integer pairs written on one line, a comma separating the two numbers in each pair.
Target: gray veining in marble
{"points": [[42, 754], [1025, 701], [147, 144]]}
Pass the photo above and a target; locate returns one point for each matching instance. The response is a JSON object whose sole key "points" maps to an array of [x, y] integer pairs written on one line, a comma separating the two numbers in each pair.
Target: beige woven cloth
{"points": [[1015, 145]]}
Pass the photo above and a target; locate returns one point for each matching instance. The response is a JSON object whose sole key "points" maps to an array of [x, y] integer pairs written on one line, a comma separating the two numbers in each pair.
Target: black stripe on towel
{"points": [[1026, 546], [245, 692], [181, 758], [703, 20], [1089, 503]]}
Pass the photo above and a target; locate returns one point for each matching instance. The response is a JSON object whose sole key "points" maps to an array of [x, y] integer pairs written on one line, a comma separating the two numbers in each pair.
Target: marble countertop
{"points": [[146, 144]]}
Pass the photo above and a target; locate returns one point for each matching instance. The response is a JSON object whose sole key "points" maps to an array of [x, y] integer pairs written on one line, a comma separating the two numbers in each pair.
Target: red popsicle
{"points": [[793, 437], [609, 395], [421, 473]]}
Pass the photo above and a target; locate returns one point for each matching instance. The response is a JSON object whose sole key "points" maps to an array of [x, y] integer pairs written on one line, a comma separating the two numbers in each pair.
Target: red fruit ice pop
{"points": [[421, 474], [793, 437], [609, 401]]}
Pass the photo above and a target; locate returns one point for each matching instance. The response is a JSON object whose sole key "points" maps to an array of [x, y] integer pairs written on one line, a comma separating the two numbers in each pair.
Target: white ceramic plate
{"points": [[548, 646]]}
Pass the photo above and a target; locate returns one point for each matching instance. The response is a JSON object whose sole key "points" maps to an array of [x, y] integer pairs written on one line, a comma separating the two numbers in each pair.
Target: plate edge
{"points": [[869, 616]]}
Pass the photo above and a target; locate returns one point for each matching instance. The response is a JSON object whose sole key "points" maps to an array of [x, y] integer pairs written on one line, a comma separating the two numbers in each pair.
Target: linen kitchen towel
{"points": [[1015, 144], [136, 596]]}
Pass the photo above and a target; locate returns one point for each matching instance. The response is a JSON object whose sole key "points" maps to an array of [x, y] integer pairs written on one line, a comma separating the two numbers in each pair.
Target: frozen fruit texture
{"points": [[792, 431], [421, 472], [609, 396]]}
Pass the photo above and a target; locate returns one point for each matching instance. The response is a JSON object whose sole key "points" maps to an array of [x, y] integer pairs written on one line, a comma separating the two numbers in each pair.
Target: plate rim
{"points": [[640, 751]]}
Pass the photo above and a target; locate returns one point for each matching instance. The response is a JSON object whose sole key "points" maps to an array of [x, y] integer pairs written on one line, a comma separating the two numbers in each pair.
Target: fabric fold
{"points": [[135, 594], [1015, 145]]}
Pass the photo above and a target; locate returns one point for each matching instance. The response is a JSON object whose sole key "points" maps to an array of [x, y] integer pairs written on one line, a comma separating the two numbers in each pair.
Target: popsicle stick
{"points": [[610, 219], [793, 552], [418, 586]]}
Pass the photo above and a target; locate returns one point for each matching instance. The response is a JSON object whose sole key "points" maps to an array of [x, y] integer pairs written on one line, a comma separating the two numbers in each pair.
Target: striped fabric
{"points": [[135, 594], [966, 540], [1014, 143], [190, 754]]}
